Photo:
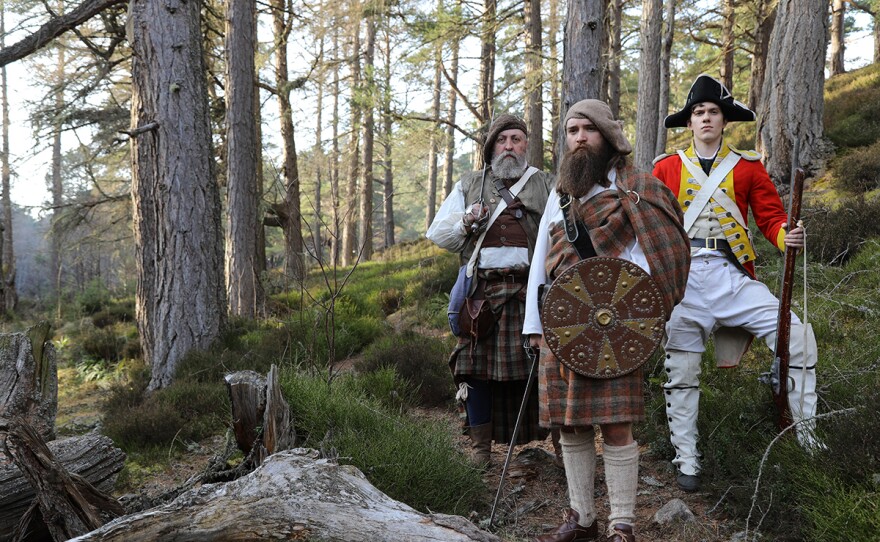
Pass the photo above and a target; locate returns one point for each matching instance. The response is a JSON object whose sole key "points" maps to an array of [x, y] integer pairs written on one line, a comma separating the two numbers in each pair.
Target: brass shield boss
{"points": [[603, 317]]}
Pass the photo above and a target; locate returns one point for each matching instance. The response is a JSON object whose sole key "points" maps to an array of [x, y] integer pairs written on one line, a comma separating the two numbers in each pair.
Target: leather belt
{"points": [[712, 243]]}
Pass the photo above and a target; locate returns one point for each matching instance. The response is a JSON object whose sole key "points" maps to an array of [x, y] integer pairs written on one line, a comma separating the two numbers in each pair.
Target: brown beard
{"points": [[582, 169]]}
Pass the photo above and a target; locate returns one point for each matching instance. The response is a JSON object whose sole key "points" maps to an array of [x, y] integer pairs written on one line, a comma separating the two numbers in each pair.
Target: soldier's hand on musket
{"points": [[795, 237]]}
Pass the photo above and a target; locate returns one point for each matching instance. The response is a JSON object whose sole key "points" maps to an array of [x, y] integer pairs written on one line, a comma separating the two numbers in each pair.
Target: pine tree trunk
{"points": [[486, 90], [614, 54], [449, 155], [649, 85], [434, 145], [792, 97], [387, 143], [763, 30], [665, 55], [181, 301], [8, 259], [365, 240], [243, 289], [534, 81], [727, 44], [289, 212], [334, 159], [349, 224], [552, 26], [57, 189], [838, 35], [320, 163], [583, 57]]}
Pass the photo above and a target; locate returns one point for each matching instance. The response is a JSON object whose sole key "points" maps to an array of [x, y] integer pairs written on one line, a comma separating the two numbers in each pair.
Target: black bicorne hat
{"points": [[709, 89]]}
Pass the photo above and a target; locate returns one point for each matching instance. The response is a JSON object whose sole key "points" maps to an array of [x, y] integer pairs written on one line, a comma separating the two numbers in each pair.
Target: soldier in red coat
{"points": [[717, 185]]}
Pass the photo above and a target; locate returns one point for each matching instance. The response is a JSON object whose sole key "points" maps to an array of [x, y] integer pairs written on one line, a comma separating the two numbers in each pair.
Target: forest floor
{"points": [[533, 495]]}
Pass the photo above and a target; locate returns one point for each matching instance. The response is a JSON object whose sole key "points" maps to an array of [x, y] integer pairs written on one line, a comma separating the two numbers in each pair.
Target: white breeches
{"points": [[718, 294]]}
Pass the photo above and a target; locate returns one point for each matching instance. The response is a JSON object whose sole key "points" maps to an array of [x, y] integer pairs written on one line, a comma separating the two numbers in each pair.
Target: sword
{"points": [[533, 356]]}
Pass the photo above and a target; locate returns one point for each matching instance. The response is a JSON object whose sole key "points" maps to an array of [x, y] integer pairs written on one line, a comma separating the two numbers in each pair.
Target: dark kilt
{"points": [[501, 358], [569, 399]]}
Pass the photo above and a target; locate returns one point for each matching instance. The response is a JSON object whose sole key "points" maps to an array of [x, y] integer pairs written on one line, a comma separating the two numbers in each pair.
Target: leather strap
{"points": [[575, 231], [508, 197]]}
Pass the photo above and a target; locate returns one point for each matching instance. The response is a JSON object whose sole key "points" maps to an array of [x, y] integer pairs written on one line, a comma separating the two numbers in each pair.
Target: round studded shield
{"points": [[603, 317]]}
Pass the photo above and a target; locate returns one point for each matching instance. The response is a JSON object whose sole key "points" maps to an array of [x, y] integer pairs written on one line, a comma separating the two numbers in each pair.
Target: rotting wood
{"points": [[247, 393], [69, 504], [29, 379], [294, 495]]}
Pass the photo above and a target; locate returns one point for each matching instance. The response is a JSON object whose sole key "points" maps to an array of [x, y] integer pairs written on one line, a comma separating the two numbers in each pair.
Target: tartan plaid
{"points": [[501, 358], [569, 399], [645, 205]]}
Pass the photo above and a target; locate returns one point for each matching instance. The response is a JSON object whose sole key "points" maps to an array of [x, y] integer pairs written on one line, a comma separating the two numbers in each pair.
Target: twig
{"points": [[770, 446]]}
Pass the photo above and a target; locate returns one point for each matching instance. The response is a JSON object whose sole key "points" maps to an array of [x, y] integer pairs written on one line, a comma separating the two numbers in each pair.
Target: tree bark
{"points": [[582, 61], [321, 163], [727, 44], [28, 378], [555, 98], [614, 54], [387, 144], [434, 144], [7, 270], [665, 56], [330, 502], [838, 37], [92, 456], [365, 215], [348, 223], [177, 219], [57, 185], [534, 81], [334, 159], [763, 29], [649, 85], [449, 155], [243, 288], [792, 96], [69, 504], [289, 209], [486, 90]]}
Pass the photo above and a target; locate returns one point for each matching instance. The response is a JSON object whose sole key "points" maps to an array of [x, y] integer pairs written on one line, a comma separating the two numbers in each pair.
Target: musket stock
{"points": [[778, 377]]}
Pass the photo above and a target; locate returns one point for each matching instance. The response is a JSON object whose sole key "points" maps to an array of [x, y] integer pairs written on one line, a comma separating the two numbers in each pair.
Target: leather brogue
{"points": [[570, 530], [621, 532]]}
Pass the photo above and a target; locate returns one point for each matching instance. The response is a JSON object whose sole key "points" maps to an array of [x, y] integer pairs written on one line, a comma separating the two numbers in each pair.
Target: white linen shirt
{"points": [[447, 231], [538, 271]]}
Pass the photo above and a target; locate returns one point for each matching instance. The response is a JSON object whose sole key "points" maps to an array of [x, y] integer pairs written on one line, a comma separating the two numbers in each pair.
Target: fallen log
{"points": [[294, 495], [69, 504]]}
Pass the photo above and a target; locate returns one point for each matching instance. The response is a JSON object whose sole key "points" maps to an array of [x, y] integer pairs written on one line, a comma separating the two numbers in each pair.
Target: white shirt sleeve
{"points": [[447, 230], [538, 269]]}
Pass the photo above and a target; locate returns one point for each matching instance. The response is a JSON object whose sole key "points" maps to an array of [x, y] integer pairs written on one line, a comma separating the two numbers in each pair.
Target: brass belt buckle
{"points": [[712, 243]]}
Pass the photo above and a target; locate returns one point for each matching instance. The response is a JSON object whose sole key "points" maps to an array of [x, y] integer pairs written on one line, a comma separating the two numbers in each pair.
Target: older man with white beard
{"points": [[491, 219]]}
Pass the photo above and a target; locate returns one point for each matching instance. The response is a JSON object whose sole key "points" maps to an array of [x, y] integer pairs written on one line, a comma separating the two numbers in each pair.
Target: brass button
{"points": [[492, 200]]}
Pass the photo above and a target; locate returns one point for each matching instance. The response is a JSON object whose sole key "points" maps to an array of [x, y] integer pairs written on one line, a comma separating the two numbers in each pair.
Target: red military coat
{"points": [[748, 184]]}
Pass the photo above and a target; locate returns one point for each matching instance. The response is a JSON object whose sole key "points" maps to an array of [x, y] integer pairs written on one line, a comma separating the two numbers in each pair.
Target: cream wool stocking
{"points": [[622, 479], [579, 458]]}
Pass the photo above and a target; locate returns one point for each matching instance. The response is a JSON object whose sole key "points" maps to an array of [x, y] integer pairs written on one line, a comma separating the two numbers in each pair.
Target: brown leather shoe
{"points": [[570, 531], [621, 532]]}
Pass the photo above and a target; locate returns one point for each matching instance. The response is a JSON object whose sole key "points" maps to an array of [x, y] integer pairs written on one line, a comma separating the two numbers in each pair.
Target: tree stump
{"points": [[29, 379], [260, 415], [292, 496]]}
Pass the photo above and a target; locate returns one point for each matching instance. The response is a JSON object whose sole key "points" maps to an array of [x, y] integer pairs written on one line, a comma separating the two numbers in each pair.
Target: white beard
{"points": [[504, 168]]}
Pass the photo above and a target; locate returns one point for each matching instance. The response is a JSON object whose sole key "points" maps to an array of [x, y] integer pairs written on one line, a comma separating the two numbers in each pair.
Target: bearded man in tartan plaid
{"points": [[630, 215], [491, 371]]}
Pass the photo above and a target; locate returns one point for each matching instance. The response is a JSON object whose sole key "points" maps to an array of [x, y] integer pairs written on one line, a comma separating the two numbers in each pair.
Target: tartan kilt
{"points": [[569, 399], [501, 359], [499, 356]]}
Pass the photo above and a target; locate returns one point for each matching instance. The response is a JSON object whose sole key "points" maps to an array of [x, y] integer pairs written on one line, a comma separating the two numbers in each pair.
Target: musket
{"points": [[778, 377], [533, 356]]}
